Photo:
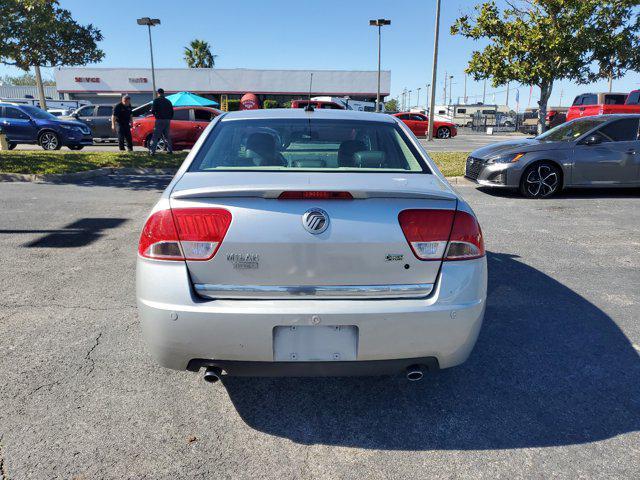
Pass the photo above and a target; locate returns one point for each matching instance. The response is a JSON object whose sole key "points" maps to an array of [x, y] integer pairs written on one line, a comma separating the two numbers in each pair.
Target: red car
{"points": [[419, 123], [589, 104], [187, 125]]}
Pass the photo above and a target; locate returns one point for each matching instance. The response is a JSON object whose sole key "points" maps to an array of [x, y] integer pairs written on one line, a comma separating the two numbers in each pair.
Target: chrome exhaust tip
{"points": [[414, 373], [212, 374]]}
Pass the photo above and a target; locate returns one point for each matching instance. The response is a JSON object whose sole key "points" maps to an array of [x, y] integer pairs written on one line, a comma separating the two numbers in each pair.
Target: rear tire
{"points": [[162, 144], [49, 141], [443, 132], [541, 180], [12, 145]]}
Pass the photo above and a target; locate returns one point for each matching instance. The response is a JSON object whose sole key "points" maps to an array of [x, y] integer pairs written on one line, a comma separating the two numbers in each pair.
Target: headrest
{"points": [[369, 159]]}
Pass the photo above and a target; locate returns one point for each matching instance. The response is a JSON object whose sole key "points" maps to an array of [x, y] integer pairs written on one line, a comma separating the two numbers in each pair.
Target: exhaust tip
{"points": [[414, 373], [212, 374]]}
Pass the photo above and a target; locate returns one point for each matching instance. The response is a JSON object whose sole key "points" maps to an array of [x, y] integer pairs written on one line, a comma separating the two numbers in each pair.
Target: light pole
{"points": [[428, 94], [418, 99], [465, 88], [409, 100], [150, 22], [379, 23], [450, 87], [434, 72], [484, 91]]}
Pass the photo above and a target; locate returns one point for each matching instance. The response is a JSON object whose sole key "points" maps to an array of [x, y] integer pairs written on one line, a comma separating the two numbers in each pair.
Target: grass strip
{"points": [[41, 162]]}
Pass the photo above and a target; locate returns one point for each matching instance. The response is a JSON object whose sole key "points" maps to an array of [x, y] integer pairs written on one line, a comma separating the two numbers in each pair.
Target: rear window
{"points": [[105, 111], [633, 98], [614, 99], [301, 144]]}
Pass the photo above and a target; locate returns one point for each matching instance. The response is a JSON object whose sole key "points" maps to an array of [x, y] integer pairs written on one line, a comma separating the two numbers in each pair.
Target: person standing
{"points": [[162, 110], [121, 122]]}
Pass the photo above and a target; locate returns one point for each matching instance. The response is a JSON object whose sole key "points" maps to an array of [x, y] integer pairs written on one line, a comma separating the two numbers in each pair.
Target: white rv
{"points": [[463, 114]]}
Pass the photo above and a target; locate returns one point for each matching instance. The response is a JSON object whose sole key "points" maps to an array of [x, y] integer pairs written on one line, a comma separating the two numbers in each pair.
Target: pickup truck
{"points": [[589, 104]]}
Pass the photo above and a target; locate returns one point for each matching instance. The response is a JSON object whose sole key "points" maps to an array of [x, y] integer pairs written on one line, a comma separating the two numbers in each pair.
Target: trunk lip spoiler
{"points": [[274, 193]]}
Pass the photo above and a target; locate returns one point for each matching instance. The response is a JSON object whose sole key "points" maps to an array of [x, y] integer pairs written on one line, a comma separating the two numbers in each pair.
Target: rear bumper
{"points": [[180, 327], [314, 369]]}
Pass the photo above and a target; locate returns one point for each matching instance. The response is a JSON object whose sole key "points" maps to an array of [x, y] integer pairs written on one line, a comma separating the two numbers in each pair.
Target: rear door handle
{"points": [[631, 151]]}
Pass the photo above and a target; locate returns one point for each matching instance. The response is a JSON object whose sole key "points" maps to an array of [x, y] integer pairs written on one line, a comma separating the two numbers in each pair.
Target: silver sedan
{"points": [[600, 151], [323, 242]]}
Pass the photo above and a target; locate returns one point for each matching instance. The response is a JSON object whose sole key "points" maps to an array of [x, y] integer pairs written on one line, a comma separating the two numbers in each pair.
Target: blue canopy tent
{"points": [[187, 99]]}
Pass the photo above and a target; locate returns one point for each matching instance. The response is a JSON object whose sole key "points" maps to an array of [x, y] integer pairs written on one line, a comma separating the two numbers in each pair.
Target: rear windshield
{"points": [[633, 98], [614, 99], [301, 144]]}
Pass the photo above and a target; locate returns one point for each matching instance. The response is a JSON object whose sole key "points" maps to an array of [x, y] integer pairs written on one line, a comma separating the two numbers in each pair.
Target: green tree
{"points": [[538, 42], [198, 55], [391, 105], [26, 79], [38, 33]]}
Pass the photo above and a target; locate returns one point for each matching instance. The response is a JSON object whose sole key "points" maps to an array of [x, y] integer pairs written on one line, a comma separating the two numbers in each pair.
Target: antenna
{"points": [[309, 108]]}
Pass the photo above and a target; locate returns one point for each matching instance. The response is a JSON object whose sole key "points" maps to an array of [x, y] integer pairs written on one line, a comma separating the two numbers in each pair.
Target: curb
{"points": [[459, 181], [70, 177]]}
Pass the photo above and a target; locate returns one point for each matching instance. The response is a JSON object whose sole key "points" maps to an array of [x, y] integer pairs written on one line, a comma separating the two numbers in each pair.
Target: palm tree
{"points": [[198, 55]]}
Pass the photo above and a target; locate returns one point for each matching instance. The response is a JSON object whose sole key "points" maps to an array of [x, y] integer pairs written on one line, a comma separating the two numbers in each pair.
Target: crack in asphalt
{"points": [[48, 386], [3, 468], [88, 355]]}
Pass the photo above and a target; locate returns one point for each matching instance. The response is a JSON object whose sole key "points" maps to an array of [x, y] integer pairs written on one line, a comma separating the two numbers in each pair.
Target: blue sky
{"points": [[324, 34]]}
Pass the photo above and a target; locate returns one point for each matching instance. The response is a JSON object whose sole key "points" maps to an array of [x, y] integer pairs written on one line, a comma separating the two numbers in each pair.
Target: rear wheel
{"points": [[49, 141], [162, 143], [443, 132], [541, 180], [12, 145]]}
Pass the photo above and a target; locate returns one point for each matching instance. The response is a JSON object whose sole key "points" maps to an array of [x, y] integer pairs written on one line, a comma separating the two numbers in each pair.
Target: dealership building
{"points": [[105, 85]]}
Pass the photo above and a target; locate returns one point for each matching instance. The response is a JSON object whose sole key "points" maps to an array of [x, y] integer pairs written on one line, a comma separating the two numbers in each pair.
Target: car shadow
{"points": [[73, 235], [550, 368], [569, 193], [135, 182]]}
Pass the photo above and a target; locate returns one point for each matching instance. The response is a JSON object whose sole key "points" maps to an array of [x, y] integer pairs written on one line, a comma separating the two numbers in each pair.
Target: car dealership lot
{"points": [[551, 388], [464, 142]]}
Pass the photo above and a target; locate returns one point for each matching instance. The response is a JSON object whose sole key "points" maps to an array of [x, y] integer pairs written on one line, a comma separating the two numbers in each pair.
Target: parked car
{"points": [[60, 112], [419, 125], [598, 151], [187, 125], [529, 120], [590, 104], [317, 104], [26, 124], [98, 119], [281, 249]]}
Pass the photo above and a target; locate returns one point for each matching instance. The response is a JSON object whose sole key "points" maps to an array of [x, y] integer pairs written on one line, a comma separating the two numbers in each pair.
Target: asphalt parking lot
{"points": [[552, 389]]}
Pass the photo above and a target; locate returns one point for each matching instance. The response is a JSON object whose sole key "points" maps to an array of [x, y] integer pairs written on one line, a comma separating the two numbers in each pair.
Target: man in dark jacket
{"points": [[121, 122], [162, 109]]}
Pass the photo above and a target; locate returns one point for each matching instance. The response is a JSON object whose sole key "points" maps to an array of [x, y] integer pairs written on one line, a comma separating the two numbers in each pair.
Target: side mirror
{"points": [[592, 140]]}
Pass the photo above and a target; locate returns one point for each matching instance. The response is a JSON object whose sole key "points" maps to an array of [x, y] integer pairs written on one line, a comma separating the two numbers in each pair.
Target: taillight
{"points": [[466, 240], [438, 234], [184, 233], [315, 195]]}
